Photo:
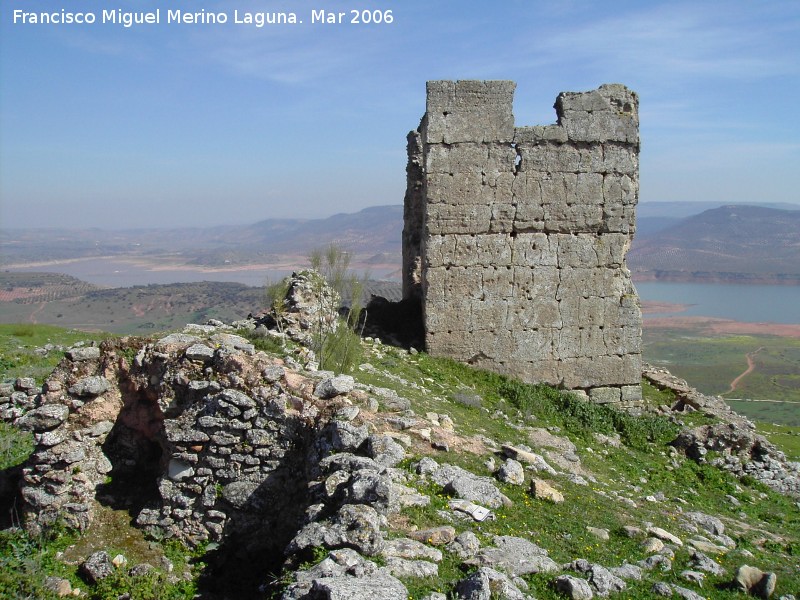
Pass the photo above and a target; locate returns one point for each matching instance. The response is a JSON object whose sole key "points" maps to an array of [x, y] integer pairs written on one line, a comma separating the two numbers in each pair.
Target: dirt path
{"points": [[36, 311], [750, 366]]}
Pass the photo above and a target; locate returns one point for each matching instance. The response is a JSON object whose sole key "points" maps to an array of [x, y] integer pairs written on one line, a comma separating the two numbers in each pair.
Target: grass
{"points": [[766, 524], [561, 528], [787, 438], [712, 363], [15, 446], [779, 413], [18, 344], [480, 403], [26, 561]]}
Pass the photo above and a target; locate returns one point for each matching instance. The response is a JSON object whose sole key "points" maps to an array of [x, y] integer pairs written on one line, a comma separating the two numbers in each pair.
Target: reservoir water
{"points": [[116, 272], [750, 303], [110, 272]]}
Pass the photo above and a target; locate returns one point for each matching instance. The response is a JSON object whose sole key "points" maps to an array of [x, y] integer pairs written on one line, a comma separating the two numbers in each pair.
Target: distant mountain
{"points": [[674, 240], [729, 243], [652, 217], [373, 231]]}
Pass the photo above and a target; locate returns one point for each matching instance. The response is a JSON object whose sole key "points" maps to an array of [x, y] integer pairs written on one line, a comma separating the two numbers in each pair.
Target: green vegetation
{"points": [[768, 412], [143, 309], [619, 478], [584, 418], [15, 446], [18, 344], [654, 397], [712, 364], [785, 437], [766, 524], [338, 345], [26, 561]]}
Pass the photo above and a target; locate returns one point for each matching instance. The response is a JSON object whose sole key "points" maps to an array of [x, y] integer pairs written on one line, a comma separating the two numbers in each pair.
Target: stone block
{"points": [[577, 250], [538, 134], [605, 395], [623, 340], [611, 249], [496, 344], [503, 218], [534, 250], [631, 395], [534, 283], [587, 372], [454, 315], [448, 343], [582, 101], [471, 250], [458, 158], [487, 315], [455, 188], [532, 345], [448, 218], [592, 341], [469, 111], [440, 251], [630, 312], [495, 284], [546, 314]]}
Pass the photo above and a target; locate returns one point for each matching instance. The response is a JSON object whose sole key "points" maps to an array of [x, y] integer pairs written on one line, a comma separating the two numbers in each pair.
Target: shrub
{"points": [[338, 348], [583, 417]]}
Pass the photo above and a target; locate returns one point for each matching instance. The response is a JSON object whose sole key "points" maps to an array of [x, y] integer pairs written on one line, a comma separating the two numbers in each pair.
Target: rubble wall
{"points": [[515, 237]]}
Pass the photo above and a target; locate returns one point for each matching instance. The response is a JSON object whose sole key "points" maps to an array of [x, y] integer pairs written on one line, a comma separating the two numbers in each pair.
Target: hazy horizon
{"points": [[211, 225]]}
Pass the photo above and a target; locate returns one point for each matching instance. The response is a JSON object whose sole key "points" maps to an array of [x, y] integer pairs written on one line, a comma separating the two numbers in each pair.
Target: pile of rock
{"points": [[17, 398], [733, 442]]}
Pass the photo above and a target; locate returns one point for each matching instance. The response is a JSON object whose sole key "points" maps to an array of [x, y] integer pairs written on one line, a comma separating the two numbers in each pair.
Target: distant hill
{"points": [[652, 217], [674, 240], [729, 243], [372, 231]]}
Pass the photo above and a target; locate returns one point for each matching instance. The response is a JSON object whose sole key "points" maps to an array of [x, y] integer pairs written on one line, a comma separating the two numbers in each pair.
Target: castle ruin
{"points": [[515, 237]]}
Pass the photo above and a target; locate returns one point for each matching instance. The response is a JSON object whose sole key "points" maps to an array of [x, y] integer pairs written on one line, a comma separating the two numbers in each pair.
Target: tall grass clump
{"points": [[338, 345]]}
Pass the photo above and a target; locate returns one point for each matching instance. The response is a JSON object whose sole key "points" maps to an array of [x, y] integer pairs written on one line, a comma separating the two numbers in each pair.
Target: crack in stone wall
{"points": [[515, 237]]}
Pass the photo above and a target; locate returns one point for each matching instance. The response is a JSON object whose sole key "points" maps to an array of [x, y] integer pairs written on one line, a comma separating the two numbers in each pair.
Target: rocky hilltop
{"points": [[408, 479]]}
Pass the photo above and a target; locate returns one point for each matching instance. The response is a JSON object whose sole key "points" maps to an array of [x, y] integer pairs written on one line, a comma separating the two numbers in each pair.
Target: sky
{"points": [[176, 124]]}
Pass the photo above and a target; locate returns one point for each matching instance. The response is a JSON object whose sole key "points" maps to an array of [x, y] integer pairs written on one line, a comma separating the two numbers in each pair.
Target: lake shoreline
{"points": [[716, 326]]}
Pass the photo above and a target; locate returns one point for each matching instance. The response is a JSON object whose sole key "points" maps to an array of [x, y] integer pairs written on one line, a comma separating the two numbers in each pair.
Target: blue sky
{"points": [[195, 125]]}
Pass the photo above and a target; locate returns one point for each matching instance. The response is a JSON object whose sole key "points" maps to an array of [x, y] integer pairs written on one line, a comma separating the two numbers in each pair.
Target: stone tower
{"points": [[515, 237]]}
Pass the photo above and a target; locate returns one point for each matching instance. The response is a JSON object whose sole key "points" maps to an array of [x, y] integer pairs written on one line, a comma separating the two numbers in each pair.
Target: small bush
{"points": [[21, 575], [268, 343], [21, 330], [338, 348]]}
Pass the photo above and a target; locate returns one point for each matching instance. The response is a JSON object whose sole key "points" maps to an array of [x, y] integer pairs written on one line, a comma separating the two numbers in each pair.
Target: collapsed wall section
{"points": [[515, 237]]}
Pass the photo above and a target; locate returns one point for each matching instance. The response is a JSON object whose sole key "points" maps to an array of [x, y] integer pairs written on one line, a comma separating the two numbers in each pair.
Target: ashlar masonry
{"points": [[515, 237]]}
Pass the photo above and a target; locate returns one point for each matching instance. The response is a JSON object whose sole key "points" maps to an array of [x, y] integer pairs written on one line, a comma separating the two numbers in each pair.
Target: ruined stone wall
{"points": [[515, 237]]}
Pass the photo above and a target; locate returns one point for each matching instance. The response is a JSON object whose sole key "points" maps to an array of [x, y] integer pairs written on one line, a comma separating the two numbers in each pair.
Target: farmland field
{"points": [[759, 375]]}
